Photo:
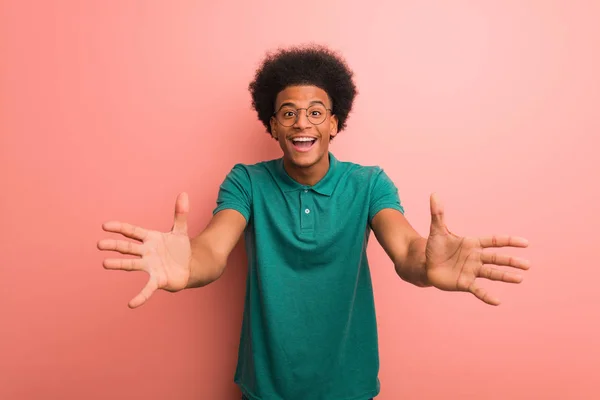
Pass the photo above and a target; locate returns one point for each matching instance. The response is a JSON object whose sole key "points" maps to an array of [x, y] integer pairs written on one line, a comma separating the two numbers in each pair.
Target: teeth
{"points": [[303, 139]]}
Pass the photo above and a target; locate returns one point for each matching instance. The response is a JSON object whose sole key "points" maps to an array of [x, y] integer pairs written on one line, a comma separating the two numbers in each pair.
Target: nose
{"points": [[302, 121]]}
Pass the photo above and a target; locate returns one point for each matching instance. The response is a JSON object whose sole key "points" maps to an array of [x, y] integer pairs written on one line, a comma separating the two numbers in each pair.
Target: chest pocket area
{"points": [[336, 218]]}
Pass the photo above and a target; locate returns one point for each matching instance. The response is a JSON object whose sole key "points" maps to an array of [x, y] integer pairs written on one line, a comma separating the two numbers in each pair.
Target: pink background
{"points": [[108, 109]]}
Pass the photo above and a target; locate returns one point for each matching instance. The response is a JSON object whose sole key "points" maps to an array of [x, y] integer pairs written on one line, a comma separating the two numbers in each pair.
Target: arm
{"points": [[402, 243], [211, 248], [445, 260]]}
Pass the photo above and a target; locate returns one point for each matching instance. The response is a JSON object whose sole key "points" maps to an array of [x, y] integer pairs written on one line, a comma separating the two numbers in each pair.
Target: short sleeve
{"points": [[235, 192], [383, 195]]}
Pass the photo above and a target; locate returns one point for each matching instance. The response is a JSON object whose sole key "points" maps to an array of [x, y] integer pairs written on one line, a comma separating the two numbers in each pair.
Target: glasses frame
{"points": [[298, 115]]}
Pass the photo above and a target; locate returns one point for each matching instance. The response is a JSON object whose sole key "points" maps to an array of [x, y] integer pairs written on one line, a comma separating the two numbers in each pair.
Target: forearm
{"points": [[412, 268], [205, 266]]}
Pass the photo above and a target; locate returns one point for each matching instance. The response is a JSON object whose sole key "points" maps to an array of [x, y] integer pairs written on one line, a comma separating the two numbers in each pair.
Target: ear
{"points": [[273, 124], [333, 126]]}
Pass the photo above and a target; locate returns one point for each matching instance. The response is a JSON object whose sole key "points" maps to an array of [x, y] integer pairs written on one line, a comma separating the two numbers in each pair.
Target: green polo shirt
{"points": [[309, 328]]}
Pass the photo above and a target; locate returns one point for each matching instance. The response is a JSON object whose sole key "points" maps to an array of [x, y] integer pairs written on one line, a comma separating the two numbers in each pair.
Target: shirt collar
{"points": [[324, 186]]}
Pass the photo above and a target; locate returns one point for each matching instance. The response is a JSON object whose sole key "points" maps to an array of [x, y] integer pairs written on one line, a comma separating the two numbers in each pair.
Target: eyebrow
{"points": [[291, 104]]}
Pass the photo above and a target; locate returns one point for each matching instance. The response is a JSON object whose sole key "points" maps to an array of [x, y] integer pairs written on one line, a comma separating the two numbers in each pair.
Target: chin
{"points": [[304, 163], [305, 160]]}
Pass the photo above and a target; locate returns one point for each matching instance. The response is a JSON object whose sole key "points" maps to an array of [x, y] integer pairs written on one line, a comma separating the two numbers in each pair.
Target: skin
{"points": [[443, 259], [309, 167]]}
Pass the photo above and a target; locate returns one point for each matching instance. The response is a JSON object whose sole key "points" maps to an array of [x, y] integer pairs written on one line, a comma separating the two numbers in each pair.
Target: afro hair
{"points": [[303, 65]]}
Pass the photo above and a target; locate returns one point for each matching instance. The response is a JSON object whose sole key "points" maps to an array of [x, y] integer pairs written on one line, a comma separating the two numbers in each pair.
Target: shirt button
{"points": [[307, 211], [305, 190]]}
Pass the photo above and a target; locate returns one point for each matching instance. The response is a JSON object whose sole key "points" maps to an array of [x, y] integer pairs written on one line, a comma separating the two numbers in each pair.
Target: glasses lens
{"points": [[316, 114], [287, 116]]}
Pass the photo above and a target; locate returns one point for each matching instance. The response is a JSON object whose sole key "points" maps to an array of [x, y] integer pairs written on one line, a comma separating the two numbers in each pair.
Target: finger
{"points": [[134, 264], [181, 212], [503, 241], [128, 230], [121, 246], [144, 295], [483, 295], [438, 224], [495, 274], [508, 261]]}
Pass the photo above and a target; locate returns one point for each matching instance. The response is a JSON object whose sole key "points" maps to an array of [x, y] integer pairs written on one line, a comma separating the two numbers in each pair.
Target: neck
{"points": [[308, 176]]}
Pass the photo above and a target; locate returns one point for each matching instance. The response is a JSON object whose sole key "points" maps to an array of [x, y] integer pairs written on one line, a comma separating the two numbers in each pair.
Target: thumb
{"points": [[438, 224], [182, 207]]}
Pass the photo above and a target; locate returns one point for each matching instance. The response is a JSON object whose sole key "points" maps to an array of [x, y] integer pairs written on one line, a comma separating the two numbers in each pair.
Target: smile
{"points": [[303, 144]]}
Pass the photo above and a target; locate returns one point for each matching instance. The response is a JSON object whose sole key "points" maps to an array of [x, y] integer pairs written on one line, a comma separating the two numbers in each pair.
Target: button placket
{"points": [[306, 210]]}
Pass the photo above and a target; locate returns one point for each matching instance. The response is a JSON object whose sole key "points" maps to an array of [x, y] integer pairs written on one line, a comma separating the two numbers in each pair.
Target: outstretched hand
{"points": [[454, 262], [165, 256]]}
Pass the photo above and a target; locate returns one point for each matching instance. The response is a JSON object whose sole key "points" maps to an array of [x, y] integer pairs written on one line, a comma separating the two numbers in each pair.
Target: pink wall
{"points": [[109, 109]]}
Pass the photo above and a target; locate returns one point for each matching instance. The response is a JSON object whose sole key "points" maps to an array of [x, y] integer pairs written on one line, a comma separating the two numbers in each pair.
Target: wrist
{"points": [[416, 263], [203, 266]]}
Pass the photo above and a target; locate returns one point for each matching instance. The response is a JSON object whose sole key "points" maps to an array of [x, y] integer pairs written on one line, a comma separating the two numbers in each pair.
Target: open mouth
{"points": [[303, 143]]}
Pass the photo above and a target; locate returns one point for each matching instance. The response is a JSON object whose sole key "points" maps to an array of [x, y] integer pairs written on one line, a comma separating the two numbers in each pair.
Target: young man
{"points": [[309, 327]]}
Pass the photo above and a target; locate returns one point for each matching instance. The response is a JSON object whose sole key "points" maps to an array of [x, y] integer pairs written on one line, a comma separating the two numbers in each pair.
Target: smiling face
{"points": [[303, 126]]}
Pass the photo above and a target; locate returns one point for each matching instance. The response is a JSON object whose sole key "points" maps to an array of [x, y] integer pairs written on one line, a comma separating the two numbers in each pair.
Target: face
{"points": [[304, 138]]}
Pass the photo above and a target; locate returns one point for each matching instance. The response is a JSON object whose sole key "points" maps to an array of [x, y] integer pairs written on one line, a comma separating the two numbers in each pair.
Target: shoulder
{"points": [[254, 171], [365, 174], [371, 180]]}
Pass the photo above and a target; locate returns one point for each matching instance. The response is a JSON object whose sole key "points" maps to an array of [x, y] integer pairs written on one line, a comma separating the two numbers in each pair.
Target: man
{"points": [[309, 328]]}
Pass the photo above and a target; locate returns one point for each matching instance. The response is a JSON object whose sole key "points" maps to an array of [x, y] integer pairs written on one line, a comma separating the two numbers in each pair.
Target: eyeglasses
{"points": [[287, 116]]}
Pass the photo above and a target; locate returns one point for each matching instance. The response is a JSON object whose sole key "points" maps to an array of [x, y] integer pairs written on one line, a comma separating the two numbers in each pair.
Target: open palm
{"points": [[454, 263], [165, 256]]}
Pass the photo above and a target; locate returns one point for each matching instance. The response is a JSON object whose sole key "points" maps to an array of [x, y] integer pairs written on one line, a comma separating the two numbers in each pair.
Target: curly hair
{"points": [[303, 65]]}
